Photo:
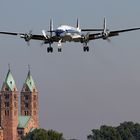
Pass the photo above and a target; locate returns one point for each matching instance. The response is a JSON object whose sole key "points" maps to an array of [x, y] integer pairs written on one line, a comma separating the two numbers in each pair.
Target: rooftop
{"points": [[23, 121]]}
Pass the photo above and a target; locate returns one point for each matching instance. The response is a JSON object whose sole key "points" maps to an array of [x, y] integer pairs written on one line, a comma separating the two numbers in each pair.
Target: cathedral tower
{"points": [[29, 100], [9, 108]]}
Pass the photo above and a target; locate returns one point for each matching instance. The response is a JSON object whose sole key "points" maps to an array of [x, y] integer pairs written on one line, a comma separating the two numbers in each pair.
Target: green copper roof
{"points": [[30, 82], [9, 81], [23, 121]]}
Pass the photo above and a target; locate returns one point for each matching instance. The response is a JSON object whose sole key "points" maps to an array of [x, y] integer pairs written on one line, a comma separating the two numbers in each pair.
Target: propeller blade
{"points": [[28, 43], [44, 34], [108, 40]]}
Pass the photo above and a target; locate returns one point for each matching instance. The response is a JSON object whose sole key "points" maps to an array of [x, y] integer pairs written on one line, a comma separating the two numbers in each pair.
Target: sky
{"points": [[78, 91]]}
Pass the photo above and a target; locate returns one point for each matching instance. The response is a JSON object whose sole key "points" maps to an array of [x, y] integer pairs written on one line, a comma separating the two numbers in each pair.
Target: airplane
{"points": [[66, 33]]}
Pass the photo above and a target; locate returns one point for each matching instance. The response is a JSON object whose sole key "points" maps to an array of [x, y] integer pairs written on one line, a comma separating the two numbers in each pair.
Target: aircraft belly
{"points": [[70, 38]]}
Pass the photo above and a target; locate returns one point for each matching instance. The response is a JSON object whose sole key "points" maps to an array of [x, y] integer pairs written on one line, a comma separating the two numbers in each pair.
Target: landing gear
{"points": [[59, 49], [85, 47], [50, 49], [60, 45]]}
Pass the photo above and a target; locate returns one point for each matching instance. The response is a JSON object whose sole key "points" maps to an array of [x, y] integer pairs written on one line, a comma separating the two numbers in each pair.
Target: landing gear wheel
{"points": [[59, 49], [49, 49], [86, 49]]}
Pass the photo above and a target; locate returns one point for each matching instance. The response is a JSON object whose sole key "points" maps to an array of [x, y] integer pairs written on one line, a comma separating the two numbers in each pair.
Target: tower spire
{"points": [[9, 66], [29, 68]]}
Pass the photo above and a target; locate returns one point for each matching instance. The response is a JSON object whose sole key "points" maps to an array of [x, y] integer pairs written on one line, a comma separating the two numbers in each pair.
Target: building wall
{"points": [[1, 134], [9, 111], [27, 129], [9, 114], [29, 105]]}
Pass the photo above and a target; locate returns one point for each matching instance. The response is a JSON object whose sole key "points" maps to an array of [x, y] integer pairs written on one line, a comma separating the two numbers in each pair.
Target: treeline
{"points": [[42, 134], [125, 131]]}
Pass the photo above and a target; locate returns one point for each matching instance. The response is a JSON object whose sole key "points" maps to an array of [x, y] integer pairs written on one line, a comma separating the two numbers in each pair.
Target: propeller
{"points": [[48, 38], [105, 32], [85, 37], [44, 34], [27, 37]]}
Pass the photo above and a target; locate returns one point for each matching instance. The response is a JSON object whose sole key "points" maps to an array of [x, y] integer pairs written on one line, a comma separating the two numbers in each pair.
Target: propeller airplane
{"points": [[66, 33]]}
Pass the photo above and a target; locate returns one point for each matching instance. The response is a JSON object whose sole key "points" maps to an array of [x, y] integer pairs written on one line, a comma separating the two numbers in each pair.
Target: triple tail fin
{"points": [[51, 25], [77, 24], [104, 25]]}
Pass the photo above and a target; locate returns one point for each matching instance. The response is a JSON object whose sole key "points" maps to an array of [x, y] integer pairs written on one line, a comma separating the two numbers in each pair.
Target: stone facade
{"points": [[14, 126]]}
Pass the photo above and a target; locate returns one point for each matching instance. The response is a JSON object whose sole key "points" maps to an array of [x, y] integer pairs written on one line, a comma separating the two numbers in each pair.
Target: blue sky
{"points": [[77, 91]]}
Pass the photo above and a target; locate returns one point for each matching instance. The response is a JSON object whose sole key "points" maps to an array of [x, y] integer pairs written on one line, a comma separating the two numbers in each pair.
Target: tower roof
{"points": [[9, 81], [23, 121], [29, 82]]}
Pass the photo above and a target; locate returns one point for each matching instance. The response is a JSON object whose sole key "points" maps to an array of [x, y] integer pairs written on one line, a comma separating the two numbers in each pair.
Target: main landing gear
{"points": [[85, 47], [59, 49], [50, 49]]}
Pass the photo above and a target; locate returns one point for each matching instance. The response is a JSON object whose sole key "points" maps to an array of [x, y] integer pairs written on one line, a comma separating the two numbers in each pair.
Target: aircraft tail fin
{"points": [[104, 25], [77, 24], [51, 25]]}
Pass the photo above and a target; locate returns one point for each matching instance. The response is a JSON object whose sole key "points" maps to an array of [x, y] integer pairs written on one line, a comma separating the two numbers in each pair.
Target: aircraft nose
{"points": [[59, 32]]}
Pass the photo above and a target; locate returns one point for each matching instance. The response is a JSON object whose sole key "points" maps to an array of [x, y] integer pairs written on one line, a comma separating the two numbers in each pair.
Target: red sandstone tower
{"points": [[9, 108], [29, 100]]}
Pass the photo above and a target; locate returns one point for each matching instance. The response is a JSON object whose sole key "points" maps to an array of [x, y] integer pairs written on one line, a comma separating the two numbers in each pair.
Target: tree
{"points": [[125, 131], [42, 134]]}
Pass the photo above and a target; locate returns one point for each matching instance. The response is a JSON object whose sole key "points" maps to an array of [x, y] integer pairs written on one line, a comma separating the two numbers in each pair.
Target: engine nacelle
{"points": [[27, 37], [105, 35]]}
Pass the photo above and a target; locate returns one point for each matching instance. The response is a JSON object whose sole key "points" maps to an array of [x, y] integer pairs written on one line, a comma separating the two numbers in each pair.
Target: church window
{"points": [[7, 89], [26, 89], [15, 96], [6, 104], [6, 112], [26, 113], [26, 97], [26, 105], [20, 132], [6, 96]]}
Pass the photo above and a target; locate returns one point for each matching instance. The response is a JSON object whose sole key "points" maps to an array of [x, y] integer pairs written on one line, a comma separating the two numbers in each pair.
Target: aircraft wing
{"points": [[88, 30], [110, 33], [24, 35], [95, 36], [115, 33]]}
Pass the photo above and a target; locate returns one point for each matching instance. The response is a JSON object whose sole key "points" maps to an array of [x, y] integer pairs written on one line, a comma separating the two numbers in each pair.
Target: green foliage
{"points": [[125, 131], [42, 134]]}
